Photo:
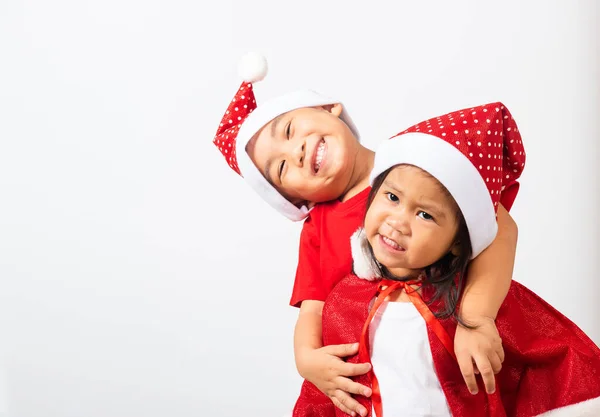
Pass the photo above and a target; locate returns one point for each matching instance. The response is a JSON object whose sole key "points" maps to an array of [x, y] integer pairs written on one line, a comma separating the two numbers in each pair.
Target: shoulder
{"points": [[353, 287]]}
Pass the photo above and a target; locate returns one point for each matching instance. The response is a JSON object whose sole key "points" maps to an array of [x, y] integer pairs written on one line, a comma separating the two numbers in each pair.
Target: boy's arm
{"points": [[488, 281], [323, 366], [490, 274], [308, 334]]}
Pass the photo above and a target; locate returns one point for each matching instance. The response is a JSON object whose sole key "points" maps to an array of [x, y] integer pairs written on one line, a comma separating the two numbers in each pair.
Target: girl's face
{"points": [[412, 221]]}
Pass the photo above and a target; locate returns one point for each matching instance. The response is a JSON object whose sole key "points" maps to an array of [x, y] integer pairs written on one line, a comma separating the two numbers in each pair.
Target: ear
{"points": [[335, 109]]}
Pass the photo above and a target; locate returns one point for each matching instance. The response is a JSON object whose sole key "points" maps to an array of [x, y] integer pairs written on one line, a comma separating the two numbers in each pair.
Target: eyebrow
{"points": [[274, 125], [390, 185]]}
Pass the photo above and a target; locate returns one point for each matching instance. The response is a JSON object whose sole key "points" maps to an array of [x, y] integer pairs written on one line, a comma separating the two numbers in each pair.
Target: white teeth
{"points": [[391, 242], [320, 153]]}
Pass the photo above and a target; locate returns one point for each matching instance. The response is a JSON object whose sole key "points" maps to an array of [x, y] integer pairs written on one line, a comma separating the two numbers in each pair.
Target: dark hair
{"points": [[445, 277]]}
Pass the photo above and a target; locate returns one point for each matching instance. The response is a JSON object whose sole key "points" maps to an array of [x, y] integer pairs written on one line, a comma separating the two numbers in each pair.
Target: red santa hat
{"points": [[476, 153], [244, 119]]}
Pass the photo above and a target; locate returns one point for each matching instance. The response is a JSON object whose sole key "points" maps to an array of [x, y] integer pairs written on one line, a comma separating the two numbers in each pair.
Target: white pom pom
{"points": [[252, 67]]}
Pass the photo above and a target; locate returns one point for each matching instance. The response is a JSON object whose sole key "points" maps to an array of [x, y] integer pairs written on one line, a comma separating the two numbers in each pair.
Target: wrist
{"points": [[470, 308], [302, 359], [476, 317]]}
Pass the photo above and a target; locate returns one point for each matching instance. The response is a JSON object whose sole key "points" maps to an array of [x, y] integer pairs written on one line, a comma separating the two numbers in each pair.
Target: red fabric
{"points": [[509, 195], [322, 266], [239, 108], [549, 363]]}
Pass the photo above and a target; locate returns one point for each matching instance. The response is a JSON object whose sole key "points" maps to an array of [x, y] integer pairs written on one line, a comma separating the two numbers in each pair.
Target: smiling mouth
{"points": [[319, 155], [392, 244]]}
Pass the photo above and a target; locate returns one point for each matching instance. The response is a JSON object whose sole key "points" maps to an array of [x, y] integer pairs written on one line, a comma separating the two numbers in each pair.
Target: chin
{"points": [[391, 264]]}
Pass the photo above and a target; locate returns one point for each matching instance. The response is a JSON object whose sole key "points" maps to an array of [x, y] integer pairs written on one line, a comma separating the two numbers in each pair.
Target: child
{"points": [[300, 152], [432, 208]]}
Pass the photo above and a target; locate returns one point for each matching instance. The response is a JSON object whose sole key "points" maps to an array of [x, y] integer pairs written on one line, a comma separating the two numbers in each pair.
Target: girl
{"points": [[435, 191]]}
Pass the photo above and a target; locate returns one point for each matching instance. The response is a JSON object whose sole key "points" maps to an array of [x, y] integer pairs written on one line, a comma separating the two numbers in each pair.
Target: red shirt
{"points": [[325, 255]]}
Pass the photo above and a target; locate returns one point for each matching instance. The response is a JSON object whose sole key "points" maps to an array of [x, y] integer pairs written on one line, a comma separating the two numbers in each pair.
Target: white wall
{"points": [[139, 277]]}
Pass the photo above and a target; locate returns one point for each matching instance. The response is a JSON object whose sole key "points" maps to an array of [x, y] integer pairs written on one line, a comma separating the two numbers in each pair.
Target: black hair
{"points": [[445, 277]]}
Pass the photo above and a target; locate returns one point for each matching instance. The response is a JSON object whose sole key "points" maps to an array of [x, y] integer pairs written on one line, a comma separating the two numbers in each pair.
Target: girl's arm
{"points": [[488, 280], [323, 366]]}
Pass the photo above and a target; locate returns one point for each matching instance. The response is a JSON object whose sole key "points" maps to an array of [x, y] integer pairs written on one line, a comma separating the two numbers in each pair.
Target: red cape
{"points": [[550, 365]]}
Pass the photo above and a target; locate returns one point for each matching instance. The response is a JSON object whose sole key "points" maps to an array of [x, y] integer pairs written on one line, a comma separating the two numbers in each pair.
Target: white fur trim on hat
{"points": [[451, 168], [589, 408], [255, 121], [362, 263]]}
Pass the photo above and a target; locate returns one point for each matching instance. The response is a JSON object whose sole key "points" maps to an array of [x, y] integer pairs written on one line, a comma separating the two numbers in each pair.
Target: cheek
{"points": [[446, 236], [370, 223], [426, 237], [343, 159], [297, 184], [373, 219], [435, 243]]}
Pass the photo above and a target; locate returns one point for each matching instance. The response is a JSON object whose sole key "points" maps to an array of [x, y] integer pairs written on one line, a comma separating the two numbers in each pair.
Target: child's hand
{"points": [[328, 372], [479, 351]]}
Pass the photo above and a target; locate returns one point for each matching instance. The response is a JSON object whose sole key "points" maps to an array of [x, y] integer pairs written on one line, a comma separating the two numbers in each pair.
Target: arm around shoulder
{"points": [[490, 274]]}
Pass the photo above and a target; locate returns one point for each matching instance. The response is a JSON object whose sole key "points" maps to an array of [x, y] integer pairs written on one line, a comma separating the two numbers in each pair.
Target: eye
{"points": [[287, 130], [281, 166], [392, 197], [424, 215]]}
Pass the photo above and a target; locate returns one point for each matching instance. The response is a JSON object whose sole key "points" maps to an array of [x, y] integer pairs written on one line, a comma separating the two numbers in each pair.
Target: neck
{"points": [[363, 165]]}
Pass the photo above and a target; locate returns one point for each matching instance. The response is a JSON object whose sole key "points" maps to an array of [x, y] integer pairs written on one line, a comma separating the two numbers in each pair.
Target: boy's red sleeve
{"points": [[308, 284]]}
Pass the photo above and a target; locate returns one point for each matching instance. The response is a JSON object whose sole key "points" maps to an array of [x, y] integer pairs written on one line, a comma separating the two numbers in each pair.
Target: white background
{"points": [[140, 277]]}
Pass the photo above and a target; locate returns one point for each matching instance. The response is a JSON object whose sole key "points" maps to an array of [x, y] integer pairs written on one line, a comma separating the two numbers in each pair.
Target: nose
{"points": [[298, 152], [399, 221]]}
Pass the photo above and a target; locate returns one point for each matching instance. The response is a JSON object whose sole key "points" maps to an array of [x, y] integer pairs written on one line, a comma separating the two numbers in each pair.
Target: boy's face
{"points": [[307, 154], [412, 221]]}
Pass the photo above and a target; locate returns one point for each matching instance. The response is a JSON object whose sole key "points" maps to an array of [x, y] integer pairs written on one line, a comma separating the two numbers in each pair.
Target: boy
{"points": [[301, 153]]}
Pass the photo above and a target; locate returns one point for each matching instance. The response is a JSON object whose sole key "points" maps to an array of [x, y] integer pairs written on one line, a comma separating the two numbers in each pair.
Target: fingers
{"points": [[500, 350], [466, 369], [488, 366], [496, 362], [349, 386], [341, 351], [489, 379], [346, 402], [480, 363], [479, 351], [354, 369], [342, 407]]}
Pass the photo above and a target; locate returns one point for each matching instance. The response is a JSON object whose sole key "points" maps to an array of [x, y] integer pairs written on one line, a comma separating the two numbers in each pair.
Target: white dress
{"points": [[402, 362]]}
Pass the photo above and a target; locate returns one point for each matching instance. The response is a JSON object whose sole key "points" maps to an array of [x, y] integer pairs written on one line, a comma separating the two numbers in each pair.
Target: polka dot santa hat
{"points": [[476, 153], [244, 118]]}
